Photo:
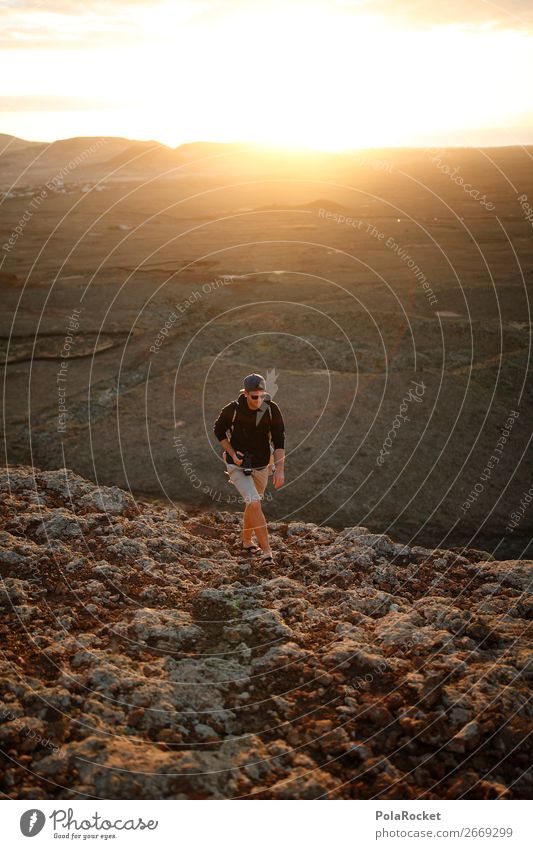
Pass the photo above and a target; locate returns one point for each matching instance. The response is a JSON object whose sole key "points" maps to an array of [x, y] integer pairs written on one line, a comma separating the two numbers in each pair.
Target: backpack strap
{"points": [[229, 430], [269, 431]]}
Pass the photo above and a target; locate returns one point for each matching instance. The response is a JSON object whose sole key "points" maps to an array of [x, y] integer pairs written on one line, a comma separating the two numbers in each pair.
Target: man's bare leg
{"points": [[254, 520], [247, 529]]}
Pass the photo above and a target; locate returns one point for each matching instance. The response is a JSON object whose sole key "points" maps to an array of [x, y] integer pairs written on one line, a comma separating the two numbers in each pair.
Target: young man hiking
{"points": [[245, 429]]}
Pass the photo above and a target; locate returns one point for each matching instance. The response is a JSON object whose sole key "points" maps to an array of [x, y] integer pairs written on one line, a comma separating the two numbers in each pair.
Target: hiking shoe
{"points": [[267, 559]]}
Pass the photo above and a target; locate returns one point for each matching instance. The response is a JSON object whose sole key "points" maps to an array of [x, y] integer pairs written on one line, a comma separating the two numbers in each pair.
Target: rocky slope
{"points": [[144, 657]]}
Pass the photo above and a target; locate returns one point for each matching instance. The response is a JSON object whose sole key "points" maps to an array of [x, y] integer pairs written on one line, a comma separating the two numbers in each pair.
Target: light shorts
{"points": [[251, 487]]}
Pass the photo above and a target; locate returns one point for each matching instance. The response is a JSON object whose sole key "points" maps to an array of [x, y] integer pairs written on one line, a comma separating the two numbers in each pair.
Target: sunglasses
{"points": [[259, 395]]}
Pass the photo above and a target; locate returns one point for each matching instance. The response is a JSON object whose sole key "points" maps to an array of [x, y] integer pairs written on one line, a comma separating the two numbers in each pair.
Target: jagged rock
{"points": [[107, 500], [14, 591], [468, 737], [163, 628], [398, 629], [58, 524], [510, 573]]}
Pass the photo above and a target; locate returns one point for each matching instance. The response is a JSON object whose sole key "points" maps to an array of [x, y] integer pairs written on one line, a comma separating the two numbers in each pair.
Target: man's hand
{"points": [[278, 478], [238, 460]]}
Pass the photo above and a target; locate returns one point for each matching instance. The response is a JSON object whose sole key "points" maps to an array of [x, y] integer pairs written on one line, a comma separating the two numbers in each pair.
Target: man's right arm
{"points": [[220, 427], [227, 447]]}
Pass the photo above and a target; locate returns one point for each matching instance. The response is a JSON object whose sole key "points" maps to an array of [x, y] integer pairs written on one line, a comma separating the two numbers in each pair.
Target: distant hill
{"points": [[105, 158], [12, 143], [24, 163]]}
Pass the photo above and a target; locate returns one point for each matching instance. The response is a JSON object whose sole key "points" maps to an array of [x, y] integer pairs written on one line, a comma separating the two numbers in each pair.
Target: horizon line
{"points": [[286, 148]]}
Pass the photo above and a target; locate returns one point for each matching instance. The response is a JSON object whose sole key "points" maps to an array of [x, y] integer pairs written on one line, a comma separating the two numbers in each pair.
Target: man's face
{"points": [[255, 398]]}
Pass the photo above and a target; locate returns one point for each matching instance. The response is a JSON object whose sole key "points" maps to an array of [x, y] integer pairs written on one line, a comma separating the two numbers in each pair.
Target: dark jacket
{"points": [[251, 430]]}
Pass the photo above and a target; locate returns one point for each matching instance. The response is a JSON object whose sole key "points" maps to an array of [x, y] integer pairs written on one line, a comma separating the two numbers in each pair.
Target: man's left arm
{"points": [[277, 429]]}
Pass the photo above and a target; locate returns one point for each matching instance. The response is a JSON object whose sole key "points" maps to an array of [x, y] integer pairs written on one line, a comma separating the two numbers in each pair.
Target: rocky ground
{"points": [[144, 657]]}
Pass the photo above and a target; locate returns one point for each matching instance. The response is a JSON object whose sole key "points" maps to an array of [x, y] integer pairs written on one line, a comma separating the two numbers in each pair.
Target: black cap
{"points": [[254, 381]]}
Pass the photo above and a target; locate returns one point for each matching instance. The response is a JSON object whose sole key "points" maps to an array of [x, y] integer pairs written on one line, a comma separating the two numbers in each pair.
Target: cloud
{"points": [[51, 103], [69, 24], [69, 7], [467, 14]]}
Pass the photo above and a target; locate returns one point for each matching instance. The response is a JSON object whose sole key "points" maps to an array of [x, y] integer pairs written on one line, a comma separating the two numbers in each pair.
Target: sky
{"points": [[319, 74]]}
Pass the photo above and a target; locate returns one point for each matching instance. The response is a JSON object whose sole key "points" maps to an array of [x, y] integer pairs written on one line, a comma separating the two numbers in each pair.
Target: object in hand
{"points": [[247, 463]]}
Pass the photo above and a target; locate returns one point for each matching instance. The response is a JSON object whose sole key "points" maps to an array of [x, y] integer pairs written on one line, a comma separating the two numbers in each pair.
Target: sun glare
{"points": [[321, 79], [312, 75]]}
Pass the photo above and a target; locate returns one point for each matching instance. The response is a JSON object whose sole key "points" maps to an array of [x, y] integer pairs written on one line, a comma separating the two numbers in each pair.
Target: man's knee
{"points": [[254, 507]]}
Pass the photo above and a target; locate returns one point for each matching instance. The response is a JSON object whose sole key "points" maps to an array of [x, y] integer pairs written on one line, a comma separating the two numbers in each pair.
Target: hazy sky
{"points": [[320, 73]]}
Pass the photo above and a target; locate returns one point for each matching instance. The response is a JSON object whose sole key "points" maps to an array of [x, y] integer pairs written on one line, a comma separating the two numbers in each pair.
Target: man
{"points": [[245, 429]]}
